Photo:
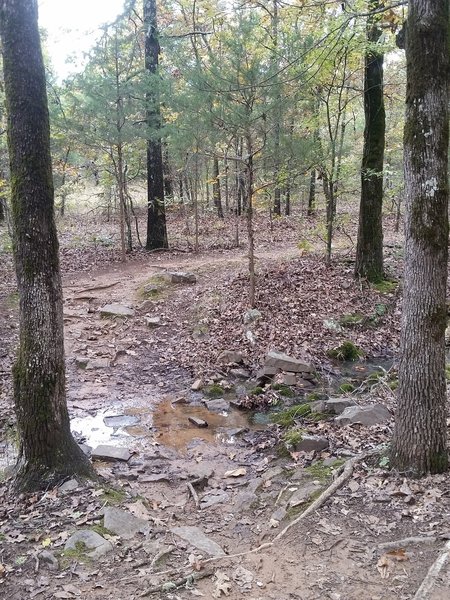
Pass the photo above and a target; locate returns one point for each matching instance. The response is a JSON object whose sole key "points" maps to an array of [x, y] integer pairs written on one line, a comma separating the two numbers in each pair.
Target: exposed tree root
{"points": [[423, 593], [194, 576]]}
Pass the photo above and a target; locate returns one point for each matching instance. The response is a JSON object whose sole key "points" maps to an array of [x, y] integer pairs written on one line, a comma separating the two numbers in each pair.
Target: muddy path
{"points": [[203, 492]]}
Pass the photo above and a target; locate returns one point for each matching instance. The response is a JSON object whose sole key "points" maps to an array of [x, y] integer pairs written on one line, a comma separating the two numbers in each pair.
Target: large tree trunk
{"points": [[156, 221], [48, 453], [369, 250], [420, 436]]}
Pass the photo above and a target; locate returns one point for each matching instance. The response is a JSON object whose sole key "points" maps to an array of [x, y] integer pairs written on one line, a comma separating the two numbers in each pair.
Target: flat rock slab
{"points": [[112, 453], [124, 523], [179, 277], [116, 310], [69, 486], [198, 422], [153, 321], [213, 498], [283, 362], [338, 405], [230, 356], [95, 544], [304, 494], [310, 443], [218, 405], [364, 415], [196, 537], [120, 421]]}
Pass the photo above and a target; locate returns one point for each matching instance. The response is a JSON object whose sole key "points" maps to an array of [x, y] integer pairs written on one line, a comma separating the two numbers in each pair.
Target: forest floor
{"points": [[201, 496]]}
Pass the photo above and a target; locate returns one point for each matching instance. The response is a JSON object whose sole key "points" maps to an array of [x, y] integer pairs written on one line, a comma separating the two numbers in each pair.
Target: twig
{"points": [[431, 539], [191, 577], [98, 287], [430, 579], [193, 494]]}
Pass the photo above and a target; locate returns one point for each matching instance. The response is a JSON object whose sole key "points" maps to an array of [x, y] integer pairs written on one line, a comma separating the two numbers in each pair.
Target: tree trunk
{"points": [[420, 435], [156, 220], [369, 249], [277, 113], [312, 194], [48, 453], [217, 198], [250, 231]]}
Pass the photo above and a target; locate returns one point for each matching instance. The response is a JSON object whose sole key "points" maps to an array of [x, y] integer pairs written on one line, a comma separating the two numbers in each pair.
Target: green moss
{"points": [[313, 396], [386, 286], [287, 417], [317, 416], [447, 371], [346, 388], [351, 319], [101, 529], [256, 391], [283, 390], [214, 391], [319, 471], [305, 245], [12, 300], [112, 496], [346, 351], [394, 384], [293, 437]]}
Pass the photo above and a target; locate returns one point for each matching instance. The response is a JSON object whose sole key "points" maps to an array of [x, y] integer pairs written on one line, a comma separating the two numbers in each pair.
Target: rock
{"points": [[197, 385], [310, 443], [272, 473], [153, 321], [198, 422], [283, 362], [120, 421], [201, 470], [98, 363], [252, 315], [147, 305], [338, 405], [179, 277], [330, 461], [86, 449], [218, 405], [150, 289], [104, 452], [230, 356], [304, 383], [318, 406], [266, 373], [303, 494], [288, 379], [279, 514], [95, 543], [116, 310], [196, 537], [123, 523], [240, 373], [81, 361], [364, 415], [243, 578], [213, 498], [48, 559], [69, 486], [154, 477], [245, 501]]}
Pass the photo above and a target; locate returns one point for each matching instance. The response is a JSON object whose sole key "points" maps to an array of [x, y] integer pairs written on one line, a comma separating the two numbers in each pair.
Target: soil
{"points": [[144, 376]]}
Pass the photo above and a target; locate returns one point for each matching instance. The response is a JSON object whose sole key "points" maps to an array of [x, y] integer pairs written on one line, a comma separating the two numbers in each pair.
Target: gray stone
{"points": [[104, 452], [279, 360], [116, 310], [218, 405], [303, 495], [214, 497], [86, 449], [95, 543], [230, 356], [279, 514], [240, 373], [266, 372], [252, 315], [179, 277], [48, 559], [288, 379], [197, 385], [364, 415], [153, 321], [272, 473], [154, 478], [244, 501], [98, 363], [120, 421], [304, 383], [310, 443], [198, 422], [196, 537], [69, 486], [338, 405], [81, 361], [124, 523], [318, 406]]}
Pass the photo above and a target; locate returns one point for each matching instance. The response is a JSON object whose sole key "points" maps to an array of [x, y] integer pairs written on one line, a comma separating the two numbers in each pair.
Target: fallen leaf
{"points": [[236, 472], [399, 555], [383, 566]]}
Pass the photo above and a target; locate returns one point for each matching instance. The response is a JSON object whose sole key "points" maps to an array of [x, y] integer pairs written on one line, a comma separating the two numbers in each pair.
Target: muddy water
{"points": [[174, 428]]}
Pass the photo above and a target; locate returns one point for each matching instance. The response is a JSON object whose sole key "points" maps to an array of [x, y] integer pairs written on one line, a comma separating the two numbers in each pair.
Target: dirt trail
{"points": [[229, 482]]}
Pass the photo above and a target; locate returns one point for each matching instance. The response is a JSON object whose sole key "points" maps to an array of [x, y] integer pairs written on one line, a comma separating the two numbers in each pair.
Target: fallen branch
{"points": [[98, 287], [195, 576], [430, 579], [430, 539], [193, 494]]}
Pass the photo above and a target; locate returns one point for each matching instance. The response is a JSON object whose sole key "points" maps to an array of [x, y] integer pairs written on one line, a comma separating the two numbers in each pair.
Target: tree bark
{"points": [[312, 194], [369, 249], [217, 198], [48, 453], [420, 435], [156, 220]]}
